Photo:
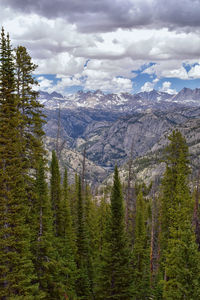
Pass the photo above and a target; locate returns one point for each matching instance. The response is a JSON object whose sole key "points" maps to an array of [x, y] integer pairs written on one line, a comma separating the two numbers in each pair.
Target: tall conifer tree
{"points": [[43, 244], [141, 252], [16, 268], [56, 195], [83, 281], [116, 272], [66, 242], [179, 251], [30, 108]]}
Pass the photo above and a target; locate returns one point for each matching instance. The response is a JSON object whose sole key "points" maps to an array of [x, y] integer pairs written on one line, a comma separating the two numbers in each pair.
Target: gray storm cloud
{"points": [[105, 15]]}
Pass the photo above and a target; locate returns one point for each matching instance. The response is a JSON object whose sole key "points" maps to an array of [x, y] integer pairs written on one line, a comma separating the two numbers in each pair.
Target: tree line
{"points": [[58, 241]]}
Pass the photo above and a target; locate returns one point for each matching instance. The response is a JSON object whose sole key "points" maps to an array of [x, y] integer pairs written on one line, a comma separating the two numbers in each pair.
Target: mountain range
{"points": [[108, 126], [123, 102]]}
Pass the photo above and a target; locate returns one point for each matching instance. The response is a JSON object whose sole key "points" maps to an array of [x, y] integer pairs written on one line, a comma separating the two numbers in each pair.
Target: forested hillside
{"points": [[59, 240]]}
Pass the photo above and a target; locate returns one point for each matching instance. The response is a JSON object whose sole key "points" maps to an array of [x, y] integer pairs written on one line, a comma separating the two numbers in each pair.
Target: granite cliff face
{"points": [[138, 132]]}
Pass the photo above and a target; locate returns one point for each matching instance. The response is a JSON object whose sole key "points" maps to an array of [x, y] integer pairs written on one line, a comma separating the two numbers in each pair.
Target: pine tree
{"points": [[141, 252], [56, 195], [83, 284], [43, 244], [32, 119], [90, 209], [116, 273], [16, 268], [176, 150], [31, 110], [180, 256], [66, 241]]}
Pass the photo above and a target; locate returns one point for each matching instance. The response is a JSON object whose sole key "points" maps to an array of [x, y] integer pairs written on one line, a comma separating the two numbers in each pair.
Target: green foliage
{"points": [[141, 252], [30, 109], [56, 195], [66, 242], [43, 244], [61, 243], [182, 265], [16, 268], [179, 250], [83, 283], [116, 275]]}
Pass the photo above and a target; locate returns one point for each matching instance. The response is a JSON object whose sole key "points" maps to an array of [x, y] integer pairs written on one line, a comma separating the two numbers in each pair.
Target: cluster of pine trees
{"points": [[58, 241]]}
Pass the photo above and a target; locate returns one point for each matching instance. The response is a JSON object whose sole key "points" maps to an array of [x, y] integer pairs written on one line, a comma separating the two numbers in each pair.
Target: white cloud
{"points": [[61, 85], [166, 87], [156, 80], [168, 69], [194, 72], [101, 80], [175, 73], [121, 41], [148, 86], [62, 63], [45, 84]]}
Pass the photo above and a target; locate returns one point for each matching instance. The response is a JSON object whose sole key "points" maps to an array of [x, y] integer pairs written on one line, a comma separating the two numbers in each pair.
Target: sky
{"points": [[115, 46]]}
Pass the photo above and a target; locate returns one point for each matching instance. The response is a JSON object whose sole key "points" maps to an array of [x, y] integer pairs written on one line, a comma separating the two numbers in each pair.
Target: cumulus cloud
{"points": [[168, 69], [44, 84], [166, 87], [148, 86], [100, 79], [60, 86], [62, 63], [194, 72], [115, 37], [175, 73]]}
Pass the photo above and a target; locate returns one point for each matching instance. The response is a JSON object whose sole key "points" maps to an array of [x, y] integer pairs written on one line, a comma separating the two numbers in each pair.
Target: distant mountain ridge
{"points": [[107, 125], [123, 102]]}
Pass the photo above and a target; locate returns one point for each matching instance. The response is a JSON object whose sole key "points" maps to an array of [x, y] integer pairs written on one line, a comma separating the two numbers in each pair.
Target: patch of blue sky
{"points": [[86, 63], [73, 89], [51, 77], [188, 67], [178, 84], [140, 80], [144, 67]]}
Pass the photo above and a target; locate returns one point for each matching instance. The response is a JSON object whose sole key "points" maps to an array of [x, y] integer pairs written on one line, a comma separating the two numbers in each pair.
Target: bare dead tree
{"points": [[83, 170], [58, 133], [59, 142], [130, 198]]}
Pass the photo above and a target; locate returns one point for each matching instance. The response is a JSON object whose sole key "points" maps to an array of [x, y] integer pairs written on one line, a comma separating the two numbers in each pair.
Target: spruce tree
{"points": [[91, 224], [141, 252], [180, 257], [62, 228], [66, 242], [31, 110], [16, 268], [83, 285], [56, 194], [116, 272], [43, 244]]}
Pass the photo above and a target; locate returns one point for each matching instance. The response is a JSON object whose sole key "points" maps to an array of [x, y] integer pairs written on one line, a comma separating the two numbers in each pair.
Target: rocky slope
{"points": [[150, 167], [109, 135]]}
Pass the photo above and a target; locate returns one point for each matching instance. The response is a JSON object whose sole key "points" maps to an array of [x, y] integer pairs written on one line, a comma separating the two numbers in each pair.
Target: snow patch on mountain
{"points": [[119, 101]]}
